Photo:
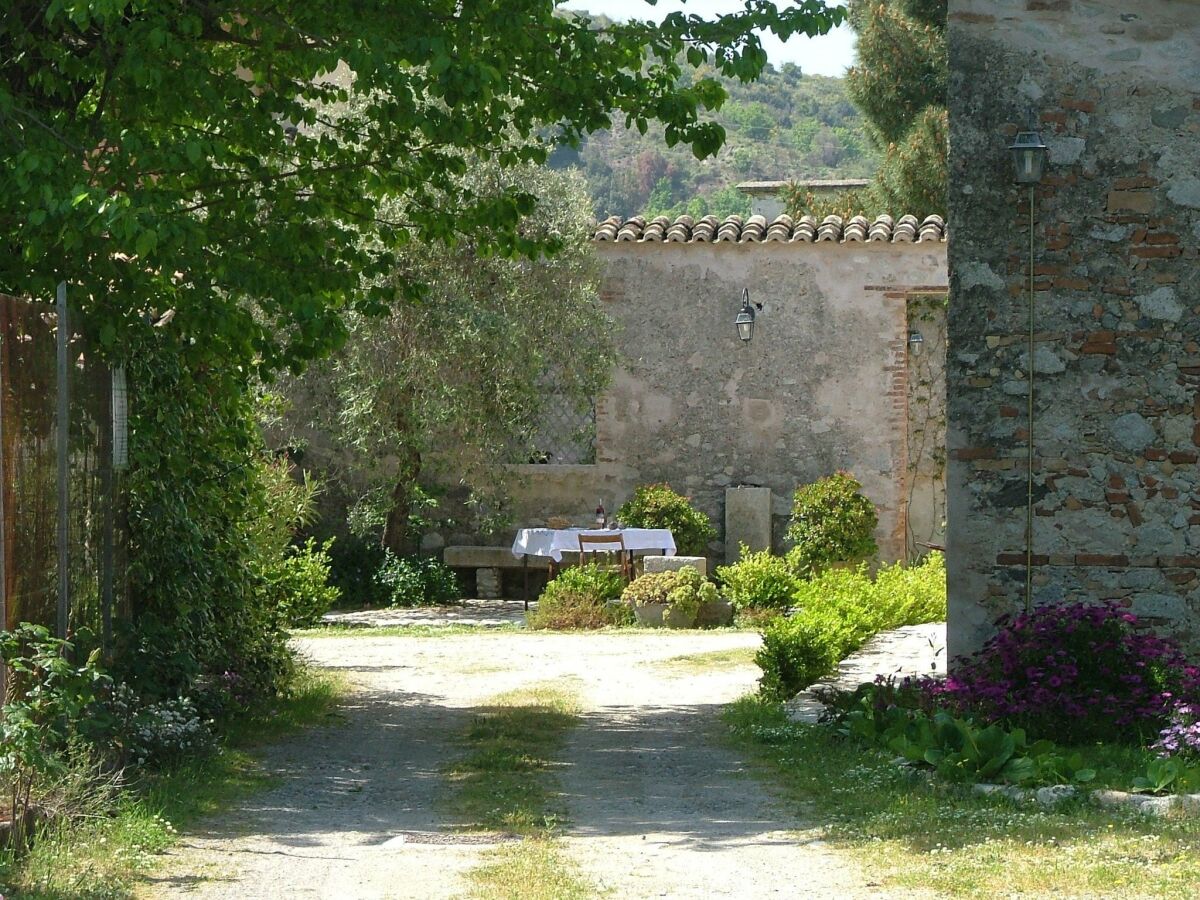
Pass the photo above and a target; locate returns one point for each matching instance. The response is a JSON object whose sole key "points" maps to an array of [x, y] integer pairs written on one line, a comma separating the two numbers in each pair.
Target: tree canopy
{"points": [[899, 82], [442, 393], [185, 154]]}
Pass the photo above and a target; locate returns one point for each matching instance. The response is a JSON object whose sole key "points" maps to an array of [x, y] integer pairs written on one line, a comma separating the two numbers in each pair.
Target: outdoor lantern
{"points": [[1029, 157], [745, 318], [120, 420], [914, 342]]}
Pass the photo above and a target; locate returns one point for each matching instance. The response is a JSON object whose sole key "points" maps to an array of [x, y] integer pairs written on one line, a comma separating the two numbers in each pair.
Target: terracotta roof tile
{"points": [[783, 229]]}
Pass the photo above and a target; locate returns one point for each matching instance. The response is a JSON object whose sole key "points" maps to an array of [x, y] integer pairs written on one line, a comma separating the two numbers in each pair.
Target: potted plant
{"points": [[669, 598]]}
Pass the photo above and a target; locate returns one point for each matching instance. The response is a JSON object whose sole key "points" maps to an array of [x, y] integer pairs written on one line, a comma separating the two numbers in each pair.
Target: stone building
{"points": [[827, 382], [1114, 89]]}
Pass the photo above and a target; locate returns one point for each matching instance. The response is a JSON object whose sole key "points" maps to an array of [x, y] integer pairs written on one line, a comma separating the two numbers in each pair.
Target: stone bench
{"points": [[487, 563]]}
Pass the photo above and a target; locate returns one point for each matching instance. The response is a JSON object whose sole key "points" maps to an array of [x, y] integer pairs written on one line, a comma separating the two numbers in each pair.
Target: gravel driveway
{"points": [[658, 807]]}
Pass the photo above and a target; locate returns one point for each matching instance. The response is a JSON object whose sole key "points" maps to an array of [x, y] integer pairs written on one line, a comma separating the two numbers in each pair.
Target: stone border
{"points": [[1147, 804]]}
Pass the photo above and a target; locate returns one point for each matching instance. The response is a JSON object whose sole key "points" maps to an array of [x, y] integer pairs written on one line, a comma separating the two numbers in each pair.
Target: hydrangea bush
{"points": [[1077, 672]]}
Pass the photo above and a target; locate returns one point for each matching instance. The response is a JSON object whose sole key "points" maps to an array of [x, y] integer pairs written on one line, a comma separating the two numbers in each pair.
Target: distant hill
{"points": [[786, 126]]}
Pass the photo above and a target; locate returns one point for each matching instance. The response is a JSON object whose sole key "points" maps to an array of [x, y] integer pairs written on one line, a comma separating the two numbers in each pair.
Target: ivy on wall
{"points": [[927, 422]]}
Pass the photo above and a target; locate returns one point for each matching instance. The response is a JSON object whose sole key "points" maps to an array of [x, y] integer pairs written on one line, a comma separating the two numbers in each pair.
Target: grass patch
{"points": [[708, 661], [504, 781], [103, 858], [534, 869], [913, 834]]}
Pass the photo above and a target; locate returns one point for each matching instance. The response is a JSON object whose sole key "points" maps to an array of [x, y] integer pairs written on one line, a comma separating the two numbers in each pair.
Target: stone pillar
{"points": [[488, 583], [747, 520], [1116, 222]]}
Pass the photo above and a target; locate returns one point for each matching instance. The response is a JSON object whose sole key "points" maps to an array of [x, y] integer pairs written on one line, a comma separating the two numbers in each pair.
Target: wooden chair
{"points": [[606, 543]]}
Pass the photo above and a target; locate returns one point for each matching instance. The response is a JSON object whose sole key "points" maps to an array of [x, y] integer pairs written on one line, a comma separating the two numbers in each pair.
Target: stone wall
{"points": [[824, 385], [1114, 88]]}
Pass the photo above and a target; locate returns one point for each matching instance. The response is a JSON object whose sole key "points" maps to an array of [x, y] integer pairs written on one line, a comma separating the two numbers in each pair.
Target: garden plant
{"points": [[1079, 676], [406, 581], [682, 591], [838, 611], [582, 597], [658, 506], [759, 581], [832, 522]]}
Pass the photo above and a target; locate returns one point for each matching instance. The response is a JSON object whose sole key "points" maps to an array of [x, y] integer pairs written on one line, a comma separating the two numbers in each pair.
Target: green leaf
{"points": [[1018, 770], [145, 243]]}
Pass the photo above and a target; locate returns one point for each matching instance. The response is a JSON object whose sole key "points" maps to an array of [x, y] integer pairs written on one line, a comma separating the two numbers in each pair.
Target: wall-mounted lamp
{"points": [[915, 342], [1029, 154], [745, 318]]}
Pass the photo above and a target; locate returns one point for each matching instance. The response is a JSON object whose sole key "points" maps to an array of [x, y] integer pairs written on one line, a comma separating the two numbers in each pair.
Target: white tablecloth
{"points": [[553, 542]]}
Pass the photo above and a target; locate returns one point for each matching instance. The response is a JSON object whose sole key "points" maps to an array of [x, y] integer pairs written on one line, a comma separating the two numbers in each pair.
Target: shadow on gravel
{"points": [[662, 771], [377, 773]]}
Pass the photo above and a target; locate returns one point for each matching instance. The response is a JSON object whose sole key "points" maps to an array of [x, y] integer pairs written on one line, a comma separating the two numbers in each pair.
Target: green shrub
{"points": [[839, 610], [684, 591], [302, 584], [800, 649], [657, 506], [580, 598], [354, 561], [53, 706], [831, 522], [759, 581], [417, 581]]}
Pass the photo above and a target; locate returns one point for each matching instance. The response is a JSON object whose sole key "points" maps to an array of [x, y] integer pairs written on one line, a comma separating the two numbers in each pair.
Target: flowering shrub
{"points": [[1078, 673], [168, 731], [158, 733], [1182, 734]]}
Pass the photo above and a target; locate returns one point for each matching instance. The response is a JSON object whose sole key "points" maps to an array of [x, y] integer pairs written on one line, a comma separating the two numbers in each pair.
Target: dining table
{"points": [[552, 543]]}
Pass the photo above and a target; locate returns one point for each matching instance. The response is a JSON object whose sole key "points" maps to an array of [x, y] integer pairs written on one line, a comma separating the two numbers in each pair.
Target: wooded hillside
{"points": [[786, 126]]}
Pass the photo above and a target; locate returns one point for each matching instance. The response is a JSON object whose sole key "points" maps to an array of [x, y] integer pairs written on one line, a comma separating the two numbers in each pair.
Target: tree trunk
{"points": [[397, 535]]}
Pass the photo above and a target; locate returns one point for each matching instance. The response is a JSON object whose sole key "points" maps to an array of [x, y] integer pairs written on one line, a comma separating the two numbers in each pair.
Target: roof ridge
{"points": [[782, 229]]}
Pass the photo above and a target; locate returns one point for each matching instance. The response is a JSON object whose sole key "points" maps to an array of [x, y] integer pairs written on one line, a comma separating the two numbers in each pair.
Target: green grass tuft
{"points": [[710, 661], [504, 781], [534, 869], [911, 833]]}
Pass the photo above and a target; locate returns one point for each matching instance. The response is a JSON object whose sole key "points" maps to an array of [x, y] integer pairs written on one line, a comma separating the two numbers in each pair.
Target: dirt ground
{"points": [[658, 807]]}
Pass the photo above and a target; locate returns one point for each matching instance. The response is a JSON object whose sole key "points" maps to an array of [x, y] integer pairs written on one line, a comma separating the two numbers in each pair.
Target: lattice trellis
{"points": [[566, 434]]}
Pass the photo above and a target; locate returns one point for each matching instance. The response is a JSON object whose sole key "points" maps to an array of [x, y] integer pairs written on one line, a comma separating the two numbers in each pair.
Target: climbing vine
{"points": [[927, 418]]}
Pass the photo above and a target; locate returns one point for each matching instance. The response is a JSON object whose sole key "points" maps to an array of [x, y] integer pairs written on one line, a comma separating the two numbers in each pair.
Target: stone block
{"points": [[487, 583], [674, 563], [747, 520]]}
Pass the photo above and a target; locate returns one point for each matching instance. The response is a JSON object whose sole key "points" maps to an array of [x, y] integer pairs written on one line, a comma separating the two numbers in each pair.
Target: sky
{"points": [[828, 55]]}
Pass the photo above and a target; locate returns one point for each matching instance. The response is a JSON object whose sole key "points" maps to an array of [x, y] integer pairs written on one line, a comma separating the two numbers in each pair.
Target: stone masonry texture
{"points": [[823, 386], [1114, 88]]}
